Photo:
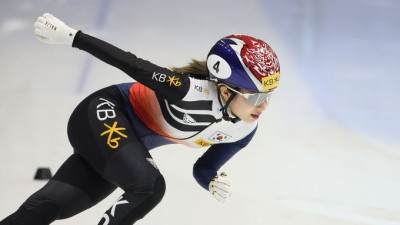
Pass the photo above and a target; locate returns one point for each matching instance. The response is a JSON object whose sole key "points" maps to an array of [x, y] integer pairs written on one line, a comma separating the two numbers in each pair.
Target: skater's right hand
{"points": [[220, 187], [49, 29]]}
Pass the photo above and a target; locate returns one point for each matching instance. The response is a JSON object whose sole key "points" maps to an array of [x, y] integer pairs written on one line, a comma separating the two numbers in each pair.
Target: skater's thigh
{"points": [[76, 186], [76, 171], [99, 127]]}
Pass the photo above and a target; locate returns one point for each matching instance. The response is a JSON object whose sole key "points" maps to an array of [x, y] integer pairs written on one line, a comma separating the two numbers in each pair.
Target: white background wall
{"points": [[327, 149]]}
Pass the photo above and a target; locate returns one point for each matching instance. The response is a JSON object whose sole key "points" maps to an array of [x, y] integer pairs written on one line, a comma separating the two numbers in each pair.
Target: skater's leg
{"points": [[74, 188], [100, 130], [133, 169]]}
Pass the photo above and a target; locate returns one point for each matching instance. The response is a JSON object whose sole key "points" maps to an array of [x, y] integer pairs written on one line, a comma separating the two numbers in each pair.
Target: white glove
{"points": [[220, 187], [51, 30]]}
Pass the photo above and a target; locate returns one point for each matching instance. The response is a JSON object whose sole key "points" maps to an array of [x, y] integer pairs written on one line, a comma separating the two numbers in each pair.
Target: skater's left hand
{"points": [[220, 187]]}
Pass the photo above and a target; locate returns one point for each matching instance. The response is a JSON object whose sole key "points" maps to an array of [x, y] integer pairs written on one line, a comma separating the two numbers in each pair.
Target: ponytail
{"points": [[194, 68]]}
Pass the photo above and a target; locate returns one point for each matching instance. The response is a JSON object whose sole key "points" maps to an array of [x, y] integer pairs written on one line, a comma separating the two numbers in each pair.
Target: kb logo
{"points": [[162, 78], [174, 81], [159, 77], [120, 201]]}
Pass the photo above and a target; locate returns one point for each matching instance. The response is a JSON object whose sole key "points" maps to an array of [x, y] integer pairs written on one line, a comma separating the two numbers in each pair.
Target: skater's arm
{"points": [[162, 80], [207, 166], [172, 85]]}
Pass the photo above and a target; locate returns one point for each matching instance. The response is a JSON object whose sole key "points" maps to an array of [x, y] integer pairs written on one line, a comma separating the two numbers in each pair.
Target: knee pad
{"points": [[37, 210], [68, 199], [159, 189], [56, 200], [154, 190], [154, 195]]}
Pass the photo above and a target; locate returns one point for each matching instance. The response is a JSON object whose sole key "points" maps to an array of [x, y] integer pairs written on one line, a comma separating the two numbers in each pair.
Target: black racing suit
{"points": [[112, 130]]}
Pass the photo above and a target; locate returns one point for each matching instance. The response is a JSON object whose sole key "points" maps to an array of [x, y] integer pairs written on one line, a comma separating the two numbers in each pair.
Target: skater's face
{"points": [[241, 108]]}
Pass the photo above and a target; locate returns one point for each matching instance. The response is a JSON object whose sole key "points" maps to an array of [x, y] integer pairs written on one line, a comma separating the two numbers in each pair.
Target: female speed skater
{"points": [[213, 103]]}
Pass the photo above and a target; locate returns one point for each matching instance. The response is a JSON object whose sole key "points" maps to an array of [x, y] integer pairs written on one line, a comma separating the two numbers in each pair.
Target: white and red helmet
{"points": [[244, 62]]}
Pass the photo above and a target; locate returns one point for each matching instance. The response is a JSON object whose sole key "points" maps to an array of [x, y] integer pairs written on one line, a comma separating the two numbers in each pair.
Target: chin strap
{"points": [[224, 109]]}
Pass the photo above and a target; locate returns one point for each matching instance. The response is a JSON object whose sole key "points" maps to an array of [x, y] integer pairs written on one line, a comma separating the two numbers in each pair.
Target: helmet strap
{"points": [[224, 109]]}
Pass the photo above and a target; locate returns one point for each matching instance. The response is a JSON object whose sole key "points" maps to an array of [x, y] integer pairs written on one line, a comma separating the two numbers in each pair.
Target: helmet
{"points": [[244, 62]]}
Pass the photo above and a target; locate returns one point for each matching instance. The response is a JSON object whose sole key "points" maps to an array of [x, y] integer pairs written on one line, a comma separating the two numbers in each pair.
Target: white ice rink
{"points": [[327, 151]]}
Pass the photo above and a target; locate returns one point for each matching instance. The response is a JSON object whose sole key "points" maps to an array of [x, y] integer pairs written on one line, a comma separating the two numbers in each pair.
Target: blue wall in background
{"points": [[349, 53]]}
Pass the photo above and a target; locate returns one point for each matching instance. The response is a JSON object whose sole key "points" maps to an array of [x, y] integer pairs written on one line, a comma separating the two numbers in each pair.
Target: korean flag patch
{"points": [[219, 137]]}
